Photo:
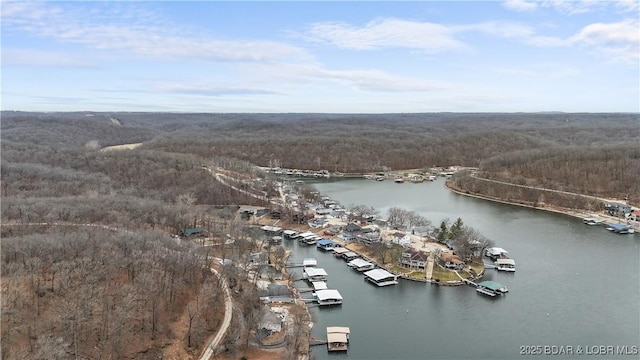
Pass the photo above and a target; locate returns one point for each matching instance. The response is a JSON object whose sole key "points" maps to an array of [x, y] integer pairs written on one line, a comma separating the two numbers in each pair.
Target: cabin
{"points": [[451, 261], [369, 238], [326, 244], [268, 272], [312, 274], [616, 209], [317, 223], [422, 231], [401, 239], [337, 338], [272, 230], [192, 232], [271, 322], [360, 265], [351, 230], [380, 277], [413, 259], [328, 297], [508, 265]]}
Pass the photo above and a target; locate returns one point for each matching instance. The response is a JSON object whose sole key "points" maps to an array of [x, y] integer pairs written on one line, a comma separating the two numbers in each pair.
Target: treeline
{"points": [[97, 293], [603, 171]]}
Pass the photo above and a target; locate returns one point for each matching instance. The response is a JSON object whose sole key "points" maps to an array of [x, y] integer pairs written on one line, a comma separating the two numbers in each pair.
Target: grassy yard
{"points": [[445, 275]]}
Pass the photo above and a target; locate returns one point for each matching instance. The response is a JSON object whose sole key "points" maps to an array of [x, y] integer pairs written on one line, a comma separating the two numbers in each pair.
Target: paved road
{"points": [[228, 312]]}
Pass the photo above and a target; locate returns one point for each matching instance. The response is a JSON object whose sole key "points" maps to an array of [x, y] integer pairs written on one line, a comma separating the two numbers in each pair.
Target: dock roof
{"points": [[324, 242], [338, 329], [315, 272], [309, 262], [340, 250], [378, 274], [271, 228], [493, 285], [328, 294], [497, 251], [505, 262], [290, 232], [319, 285], [618, 226], [337, 338], [350, 254], [359, 262]]}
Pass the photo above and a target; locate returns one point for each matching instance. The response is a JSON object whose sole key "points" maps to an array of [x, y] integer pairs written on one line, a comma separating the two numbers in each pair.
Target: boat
{"points": [[398, 181], [620, 229], [591, 221], [328, 297], [508, 265], [491, 288], [381, 277], [379, 178], [289, 234], [338, 338], [432, 178], [360, 265]]}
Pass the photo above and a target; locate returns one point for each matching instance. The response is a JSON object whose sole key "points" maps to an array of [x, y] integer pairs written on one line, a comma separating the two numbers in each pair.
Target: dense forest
{"points": [[55, 169]]}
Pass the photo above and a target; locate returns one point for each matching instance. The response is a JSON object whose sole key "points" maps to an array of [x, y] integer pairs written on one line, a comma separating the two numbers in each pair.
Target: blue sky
{"points": [[331, 56]]}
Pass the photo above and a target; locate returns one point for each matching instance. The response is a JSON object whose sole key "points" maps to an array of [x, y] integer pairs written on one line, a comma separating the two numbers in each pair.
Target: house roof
{"points": [[351, 227], [192, 231]]}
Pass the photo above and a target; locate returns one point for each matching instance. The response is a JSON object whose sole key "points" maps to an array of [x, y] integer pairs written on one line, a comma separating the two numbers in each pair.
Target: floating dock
{"points": [[338, 338]]}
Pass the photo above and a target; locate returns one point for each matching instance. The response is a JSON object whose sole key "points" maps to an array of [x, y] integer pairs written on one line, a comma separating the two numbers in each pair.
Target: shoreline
{"points": [[563, 211]]}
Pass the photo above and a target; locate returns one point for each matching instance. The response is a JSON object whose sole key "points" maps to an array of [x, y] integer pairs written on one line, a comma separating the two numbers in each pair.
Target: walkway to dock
{"points": [[429, 272]]}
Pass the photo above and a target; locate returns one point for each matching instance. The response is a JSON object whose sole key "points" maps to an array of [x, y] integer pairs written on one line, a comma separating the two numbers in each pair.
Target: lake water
{"points": [[576, 289]]}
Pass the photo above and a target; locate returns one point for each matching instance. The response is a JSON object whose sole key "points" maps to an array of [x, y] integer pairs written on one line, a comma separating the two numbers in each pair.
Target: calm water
{"points": [[575, 285]]}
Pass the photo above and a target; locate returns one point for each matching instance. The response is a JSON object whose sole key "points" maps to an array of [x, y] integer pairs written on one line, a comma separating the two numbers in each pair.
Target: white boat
{"points": [[620, 229], [328, 297], [432, 178], [508, 265], [398, 181], [591, 221]]}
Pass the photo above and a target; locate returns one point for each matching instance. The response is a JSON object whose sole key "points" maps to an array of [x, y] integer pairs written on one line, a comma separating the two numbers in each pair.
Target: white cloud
{"points": [[619, 41], [382, 33], [27, 57], [209, 90], [137, 33], [520, 5]]}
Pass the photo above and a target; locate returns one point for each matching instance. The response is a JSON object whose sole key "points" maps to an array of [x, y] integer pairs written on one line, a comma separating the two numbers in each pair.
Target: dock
{"points": [[338, 338]]}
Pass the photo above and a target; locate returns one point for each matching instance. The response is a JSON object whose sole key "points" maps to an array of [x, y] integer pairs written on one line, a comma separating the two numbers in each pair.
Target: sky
{"points": [[322, 57]]}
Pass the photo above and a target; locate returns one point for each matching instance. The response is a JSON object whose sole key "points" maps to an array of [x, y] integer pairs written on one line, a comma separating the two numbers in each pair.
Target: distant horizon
{"points": [[90, 112], [322, 57]]}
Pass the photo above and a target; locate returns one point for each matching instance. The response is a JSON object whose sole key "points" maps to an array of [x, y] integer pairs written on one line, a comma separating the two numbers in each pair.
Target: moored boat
{"points": [[491, 288]]}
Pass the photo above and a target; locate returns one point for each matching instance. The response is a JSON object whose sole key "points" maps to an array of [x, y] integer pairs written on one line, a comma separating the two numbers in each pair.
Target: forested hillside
{"points": [[54, 170]]}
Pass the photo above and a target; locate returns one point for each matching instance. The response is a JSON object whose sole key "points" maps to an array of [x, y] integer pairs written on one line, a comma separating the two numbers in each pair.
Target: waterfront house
{"points": [[272, 230], [422, 231], [271, 322], [369, 238], [401, 239], [616, 209], [268, 272], [451, 261], [317, 223], [413, 259], [351, 230]]}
